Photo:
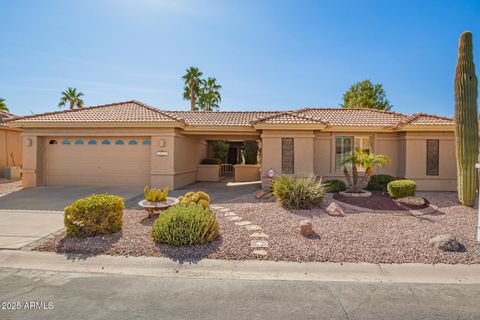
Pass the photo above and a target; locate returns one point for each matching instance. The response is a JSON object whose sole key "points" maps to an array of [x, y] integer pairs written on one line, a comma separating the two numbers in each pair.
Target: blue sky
{"points": [[267, 54]]}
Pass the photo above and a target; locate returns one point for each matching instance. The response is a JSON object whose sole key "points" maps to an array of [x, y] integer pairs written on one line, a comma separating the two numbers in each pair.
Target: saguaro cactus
{"points": [[466, 121]]}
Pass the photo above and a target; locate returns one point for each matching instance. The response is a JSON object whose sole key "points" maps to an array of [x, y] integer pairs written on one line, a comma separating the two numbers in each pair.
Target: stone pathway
{"points": [[258, 242], [9, 186]]}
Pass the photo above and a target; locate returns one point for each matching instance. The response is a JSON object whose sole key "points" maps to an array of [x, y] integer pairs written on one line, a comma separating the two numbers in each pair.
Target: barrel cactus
{"points": [[466, 121]]}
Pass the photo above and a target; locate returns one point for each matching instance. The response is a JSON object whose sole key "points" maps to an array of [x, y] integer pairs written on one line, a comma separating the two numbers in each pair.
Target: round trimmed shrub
{"points": [[379, 182], [94, 215], [297, 192], [335, 185], [401, 188], [185, 225]]}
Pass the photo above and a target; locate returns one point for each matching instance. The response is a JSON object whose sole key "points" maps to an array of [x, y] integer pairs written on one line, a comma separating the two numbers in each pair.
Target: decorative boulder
{"points": [[412, 201], [446, 242], [335, 210], [306, 228]]}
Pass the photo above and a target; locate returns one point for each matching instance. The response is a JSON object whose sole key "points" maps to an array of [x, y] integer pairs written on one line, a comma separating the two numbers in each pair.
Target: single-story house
{"points": [[10, 143], [131, 143]]}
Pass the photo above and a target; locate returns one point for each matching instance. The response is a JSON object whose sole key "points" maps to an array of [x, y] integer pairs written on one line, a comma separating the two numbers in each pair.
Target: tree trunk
{"points": [[72, 105]]}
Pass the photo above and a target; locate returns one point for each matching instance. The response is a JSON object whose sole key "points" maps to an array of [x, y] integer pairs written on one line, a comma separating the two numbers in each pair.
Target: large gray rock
{"points": [[335, 210], [446, 242], [412, 201]]}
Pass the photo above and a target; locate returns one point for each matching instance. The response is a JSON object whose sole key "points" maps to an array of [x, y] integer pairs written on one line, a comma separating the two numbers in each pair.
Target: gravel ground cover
{"points": [[377, 201], [386, 237]]}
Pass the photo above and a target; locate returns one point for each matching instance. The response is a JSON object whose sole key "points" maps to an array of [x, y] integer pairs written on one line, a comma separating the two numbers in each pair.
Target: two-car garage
{"points": [[123, 161]]}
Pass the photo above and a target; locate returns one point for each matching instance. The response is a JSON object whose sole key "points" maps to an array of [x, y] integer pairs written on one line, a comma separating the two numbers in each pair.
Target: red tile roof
{"points": [[134, 111]]}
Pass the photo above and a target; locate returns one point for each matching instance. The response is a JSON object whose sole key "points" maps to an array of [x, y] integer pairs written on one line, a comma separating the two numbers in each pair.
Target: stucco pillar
{"points": [[32, 149], [162, 161]]}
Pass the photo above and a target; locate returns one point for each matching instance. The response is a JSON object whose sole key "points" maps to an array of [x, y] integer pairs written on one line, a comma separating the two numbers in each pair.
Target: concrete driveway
{"points": [[19, 228], [57, 198]]}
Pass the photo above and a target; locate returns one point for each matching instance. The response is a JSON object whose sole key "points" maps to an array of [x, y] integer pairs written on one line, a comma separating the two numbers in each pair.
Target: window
{"points": [[92, 141], [132, 142], [119, 142], [79, 141], [346, 145], [52, 142], [106, 142], [433, 158], [65, 142], [288, 155], [146, 142]]}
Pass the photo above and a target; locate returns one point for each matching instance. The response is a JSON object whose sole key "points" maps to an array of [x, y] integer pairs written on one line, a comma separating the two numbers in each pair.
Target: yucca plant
{"points": [[362, 159], [298, 192]]}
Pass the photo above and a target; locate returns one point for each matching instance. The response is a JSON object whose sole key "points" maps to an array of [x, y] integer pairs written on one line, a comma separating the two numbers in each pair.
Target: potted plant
{"points": [[12, 172], [368, 162], [156, 200]]}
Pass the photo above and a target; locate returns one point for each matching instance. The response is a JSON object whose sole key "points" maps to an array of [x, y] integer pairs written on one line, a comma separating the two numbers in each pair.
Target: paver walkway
{"points": [[9, 186]]}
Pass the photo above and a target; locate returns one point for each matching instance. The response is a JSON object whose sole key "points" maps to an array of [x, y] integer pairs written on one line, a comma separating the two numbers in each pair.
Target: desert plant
{"points": [[466, 121], [362, 159], [211, 161], [401, 188], [250, 151], [154, 194], [185, 225], [94, 215], [335, 185], [72, 97], [220, 148], [297, 192], [379, 182], [198, 197]]}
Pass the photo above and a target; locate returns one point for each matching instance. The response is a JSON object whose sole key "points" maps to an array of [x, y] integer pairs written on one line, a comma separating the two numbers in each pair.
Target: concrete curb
{"points": [[243, 269]]}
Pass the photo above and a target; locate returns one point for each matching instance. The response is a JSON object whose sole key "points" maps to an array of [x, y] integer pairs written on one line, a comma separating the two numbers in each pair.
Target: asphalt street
{"points": [[63, 295]]}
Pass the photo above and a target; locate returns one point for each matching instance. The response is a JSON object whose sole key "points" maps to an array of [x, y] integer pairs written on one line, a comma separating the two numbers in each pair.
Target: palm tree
{"points": [[3, 106], [209, 95], [366, 160], [192, 82], [72, 97]]}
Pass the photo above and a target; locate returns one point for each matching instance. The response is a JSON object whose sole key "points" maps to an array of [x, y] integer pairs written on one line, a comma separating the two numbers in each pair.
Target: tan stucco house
{"points": [[131, 143], [10, 143]]}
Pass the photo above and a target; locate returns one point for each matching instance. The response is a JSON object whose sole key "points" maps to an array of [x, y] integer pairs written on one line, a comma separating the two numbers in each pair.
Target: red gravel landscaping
{"points": [[387, 237], [377, 201]]}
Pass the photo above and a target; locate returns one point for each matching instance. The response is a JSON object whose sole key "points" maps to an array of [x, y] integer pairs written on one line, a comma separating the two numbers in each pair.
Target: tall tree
{"points": [[192, 80], [209, 96], [466, 121], [365, 94], [3, 106], [72, 97]]}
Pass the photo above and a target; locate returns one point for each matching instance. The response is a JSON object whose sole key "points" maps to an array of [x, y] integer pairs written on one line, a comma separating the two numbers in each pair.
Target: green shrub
{"points": [[221, 148], [250, 151], [379, 182], [185, 225], [335, 185], [297, 192], [401, 188], [211, 161], [94, 215]]}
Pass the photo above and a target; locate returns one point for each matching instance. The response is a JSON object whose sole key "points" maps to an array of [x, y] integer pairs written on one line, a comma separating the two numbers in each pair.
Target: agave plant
{"points": [[362, 159]]}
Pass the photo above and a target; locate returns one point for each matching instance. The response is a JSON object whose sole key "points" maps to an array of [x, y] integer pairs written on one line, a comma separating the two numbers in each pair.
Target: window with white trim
{"points": [[346, 145]]}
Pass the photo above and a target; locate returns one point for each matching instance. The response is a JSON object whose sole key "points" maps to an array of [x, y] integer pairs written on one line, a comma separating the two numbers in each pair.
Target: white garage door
{"points": [[98, 161]]}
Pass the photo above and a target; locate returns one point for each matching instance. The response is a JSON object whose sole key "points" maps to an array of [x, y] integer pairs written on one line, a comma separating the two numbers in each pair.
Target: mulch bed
{"points": [[378, 201], [377, 237]]}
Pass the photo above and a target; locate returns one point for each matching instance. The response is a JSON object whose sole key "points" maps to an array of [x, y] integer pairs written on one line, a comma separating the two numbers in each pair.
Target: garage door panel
{"points": [[97, 164]]}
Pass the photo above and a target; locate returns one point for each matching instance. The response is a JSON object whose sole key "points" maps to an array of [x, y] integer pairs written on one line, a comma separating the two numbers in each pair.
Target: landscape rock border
{"points": [[428, 210], [363, 194]]}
